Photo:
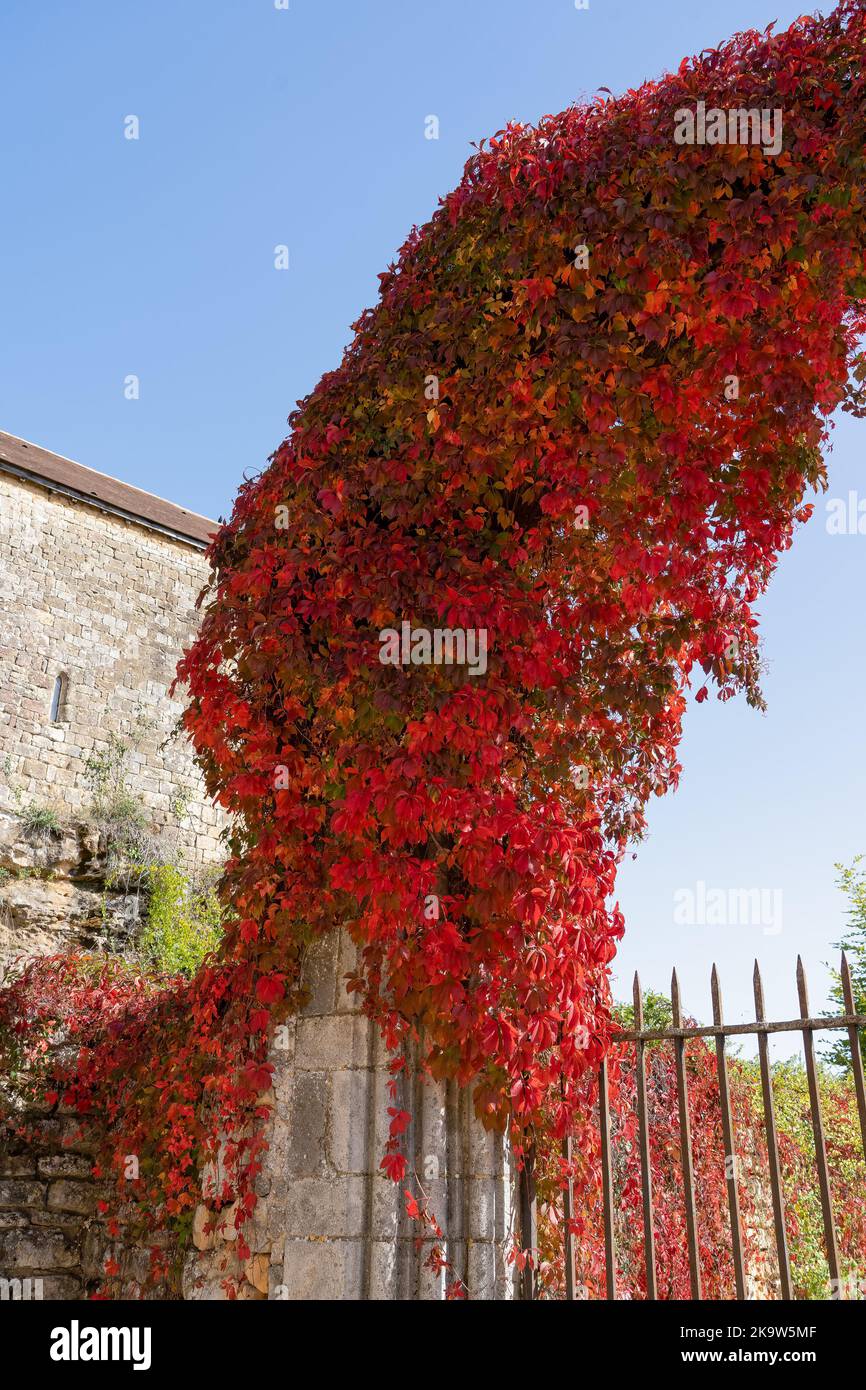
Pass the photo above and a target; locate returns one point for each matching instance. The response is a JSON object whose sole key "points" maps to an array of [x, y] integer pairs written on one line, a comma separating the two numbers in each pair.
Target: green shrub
{"points": [[804, 1219], [40, 820], [184, 920], [106, 771]]}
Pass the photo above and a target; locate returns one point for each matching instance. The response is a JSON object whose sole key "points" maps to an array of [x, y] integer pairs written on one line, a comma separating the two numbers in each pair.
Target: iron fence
{"points": [[678, 1035]]}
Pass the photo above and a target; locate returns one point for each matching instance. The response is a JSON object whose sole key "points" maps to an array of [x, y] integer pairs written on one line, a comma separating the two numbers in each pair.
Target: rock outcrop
{"points": [[56, 893]]}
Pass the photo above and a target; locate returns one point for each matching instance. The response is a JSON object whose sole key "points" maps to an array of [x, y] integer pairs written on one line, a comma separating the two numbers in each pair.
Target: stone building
{"points": [[98, 582]]}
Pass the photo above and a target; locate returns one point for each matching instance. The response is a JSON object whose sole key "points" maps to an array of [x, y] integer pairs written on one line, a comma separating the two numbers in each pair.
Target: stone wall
{"points": [[109, 605], [329, 1224], [54, 1240], [48, 1231]]}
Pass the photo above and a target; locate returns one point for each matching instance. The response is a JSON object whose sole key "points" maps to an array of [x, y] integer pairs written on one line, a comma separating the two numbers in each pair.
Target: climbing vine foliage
{"points": [[581, 422]]}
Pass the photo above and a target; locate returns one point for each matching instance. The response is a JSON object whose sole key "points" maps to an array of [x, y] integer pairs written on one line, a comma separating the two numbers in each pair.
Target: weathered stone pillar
{"points": [[336, 1225]]}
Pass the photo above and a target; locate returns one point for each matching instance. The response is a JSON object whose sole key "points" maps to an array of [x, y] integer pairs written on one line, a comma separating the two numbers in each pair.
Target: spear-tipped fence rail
{"points": [[720, 1031]]}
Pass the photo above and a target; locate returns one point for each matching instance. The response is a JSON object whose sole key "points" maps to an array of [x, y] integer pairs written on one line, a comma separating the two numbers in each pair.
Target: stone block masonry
{"points": [[329, 1224], [47, 1209], [54, 1242], [104, 604]]}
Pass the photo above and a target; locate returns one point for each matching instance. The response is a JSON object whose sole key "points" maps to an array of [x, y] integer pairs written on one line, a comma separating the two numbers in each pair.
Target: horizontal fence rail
{"points": [[678, 1035]]}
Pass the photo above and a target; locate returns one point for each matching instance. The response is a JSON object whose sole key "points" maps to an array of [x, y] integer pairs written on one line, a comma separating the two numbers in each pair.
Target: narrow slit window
{"points": [[58, 699]]}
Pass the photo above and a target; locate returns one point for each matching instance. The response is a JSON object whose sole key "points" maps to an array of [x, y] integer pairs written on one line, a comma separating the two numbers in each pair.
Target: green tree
{"points": [[852, 881], [657, 1012], [184, 919]]}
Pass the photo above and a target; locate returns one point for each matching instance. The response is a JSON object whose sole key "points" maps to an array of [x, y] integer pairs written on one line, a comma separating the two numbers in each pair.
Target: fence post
{"points": [[568, 1216], [730, 1143], [686, 1141], [818, 1131], [528, 1225], [649, 1238], [606, 1180], [772, 1142]]}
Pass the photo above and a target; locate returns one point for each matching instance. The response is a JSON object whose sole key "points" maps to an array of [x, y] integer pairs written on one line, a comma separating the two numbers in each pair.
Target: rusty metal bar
{"points": [[772, 1145], [685, 1139], [818, 1130], [729, 1137], [606, 1179], [727, 1030], [568, 1248], [856, 1054], [649, 1235], [528, 1225], [568, 1216]]}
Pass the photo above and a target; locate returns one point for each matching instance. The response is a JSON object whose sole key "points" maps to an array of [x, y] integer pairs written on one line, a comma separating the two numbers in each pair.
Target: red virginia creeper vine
{"points": [[537, 443]]}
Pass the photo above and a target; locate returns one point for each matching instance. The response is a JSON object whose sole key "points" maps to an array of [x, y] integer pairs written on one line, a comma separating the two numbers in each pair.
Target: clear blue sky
{"points": [[155, 257]]}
